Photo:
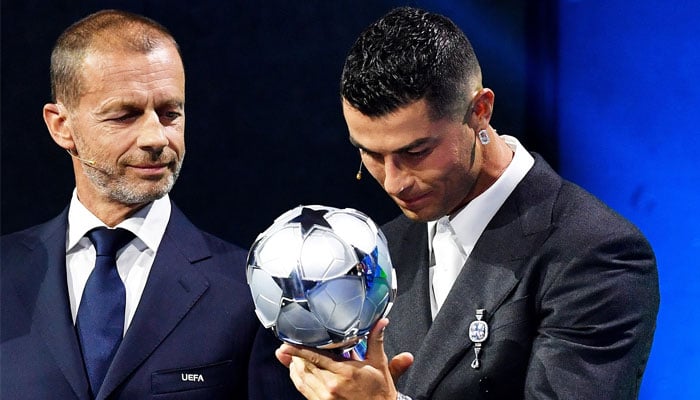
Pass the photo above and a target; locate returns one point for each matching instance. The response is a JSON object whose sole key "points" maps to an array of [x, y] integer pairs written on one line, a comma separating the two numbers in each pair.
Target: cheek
{"points": [[457, 159], [441, 167], [374, 168], [378, 176], [176, 140], [116, 151], [448, 178], [108, 147]]}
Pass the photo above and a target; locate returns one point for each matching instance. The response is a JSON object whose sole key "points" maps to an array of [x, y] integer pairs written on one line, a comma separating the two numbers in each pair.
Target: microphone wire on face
{"points": [[84, 161]]}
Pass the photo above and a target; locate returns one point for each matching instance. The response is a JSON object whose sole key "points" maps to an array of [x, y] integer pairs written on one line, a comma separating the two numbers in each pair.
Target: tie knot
{"points": [[108, 241], [445, 239], [444, 227]]}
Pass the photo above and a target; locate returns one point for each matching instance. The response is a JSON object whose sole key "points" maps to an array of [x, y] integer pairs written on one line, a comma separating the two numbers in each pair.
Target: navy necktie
{"points": [[100, 320]]}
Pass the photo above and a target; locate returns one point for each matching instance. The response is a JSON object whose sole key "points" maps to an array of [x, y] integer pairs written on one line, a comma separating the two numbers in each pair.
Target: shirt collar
{"points": [[148, 224]]}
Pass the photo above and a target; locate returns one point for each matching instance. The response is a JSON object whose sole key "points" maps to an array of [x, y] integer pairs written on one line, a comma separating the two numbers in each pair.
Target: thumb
{"points": [[375, 343], [399, 364]]}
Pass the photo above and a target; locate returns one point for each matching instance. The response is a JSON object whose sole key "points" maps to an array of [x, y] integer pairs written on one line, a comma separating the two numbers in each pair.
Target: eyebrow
{"points": [[121, 105], [175, 103], [110, 107], [406, 148]]}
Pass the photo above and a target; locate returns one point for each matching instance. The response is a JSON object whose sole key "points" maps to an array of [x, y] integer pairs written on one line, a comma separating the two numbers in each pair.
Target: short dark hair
{"points": [[101, 31], [407, 55]]}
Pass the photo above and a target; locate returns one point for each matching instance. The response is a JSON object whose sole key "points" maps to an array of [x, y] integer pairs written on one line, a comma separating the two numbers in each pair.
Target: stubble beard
{"points": [[120, 189]]}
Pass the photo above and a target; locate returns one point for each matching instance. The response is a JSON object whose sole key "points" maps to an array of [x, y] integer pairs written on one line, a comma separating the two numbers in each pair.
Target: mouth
{"points": [[151, 169], [412, 202]]}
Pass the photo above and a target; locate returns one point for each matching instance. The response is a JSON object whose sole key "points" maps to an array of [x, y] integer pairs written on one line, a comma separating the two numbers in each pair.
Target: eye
{"points": [[124, 118], [170, 112], [172, 115], [121, 115], [376, 157], [418, 153]]}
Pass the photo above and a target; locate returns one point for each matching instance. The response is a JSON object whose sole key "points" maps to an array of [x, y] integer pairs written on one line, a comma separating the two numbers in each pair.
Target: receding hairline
{"points": [[102, 32], [113, 26]]}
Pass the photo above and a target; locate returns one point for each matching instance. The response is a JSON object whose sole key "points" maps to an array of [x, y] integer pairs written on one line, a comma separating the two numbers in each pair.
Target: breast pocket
{"points": [[191, 378], [515, 315]]}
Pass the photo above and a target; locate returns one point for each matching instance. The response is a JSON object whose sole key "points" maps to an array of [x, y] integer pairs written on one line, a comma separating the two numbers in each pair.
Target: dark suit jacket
{"points": [[570, 290], [194, 334]]}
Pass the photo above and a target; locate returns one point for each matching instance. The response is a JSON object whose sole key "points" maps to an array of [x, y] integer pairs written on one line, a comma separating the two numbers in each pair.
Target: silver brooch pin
{"points": [[478, 333]]}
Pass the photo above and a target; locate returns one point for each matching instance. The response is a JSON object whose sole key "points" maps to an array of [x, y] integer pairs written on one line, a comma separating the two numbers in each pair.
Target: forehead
{"points": [[116, 71], [393, 131]]}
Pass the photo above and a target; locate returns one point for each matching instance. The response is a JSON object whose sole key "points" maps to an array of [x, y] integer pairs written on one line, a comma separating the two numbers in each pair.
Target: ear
{"points": [[58, 122], [482, 107]]}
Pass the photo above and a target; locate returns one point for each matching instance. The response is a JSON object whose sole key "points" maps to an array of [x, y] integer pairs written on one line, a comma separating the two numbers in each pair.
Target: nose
{"points": [[396, 178], [152, 135]]}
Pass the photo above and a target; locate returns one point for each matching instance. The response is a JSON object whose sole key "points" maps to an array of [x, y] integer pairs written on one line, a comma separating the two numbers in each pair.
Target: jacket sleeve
{"points": [[597, 314]]}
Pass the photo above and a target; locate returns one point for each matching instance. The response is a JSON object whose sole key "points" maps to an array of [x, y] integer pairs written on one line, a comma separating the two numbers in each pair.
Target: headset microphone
{"points": [[359, 172], [358, 176], [90, 163]]}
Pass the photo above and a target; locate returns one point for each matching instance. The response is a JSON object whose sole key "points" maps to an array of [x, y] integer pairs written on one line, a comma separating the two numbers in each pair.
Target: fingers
{"points": [[305, 378], [375, 343], [399, 364], [375, 352], [322, 375], [322, 359], [283, 357]]}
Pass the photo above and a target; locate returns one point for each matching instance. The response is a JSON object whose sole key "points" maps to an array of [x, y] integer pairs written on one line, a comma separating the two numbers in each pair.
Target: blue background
{"points": [[629, 99], [607, 90]]}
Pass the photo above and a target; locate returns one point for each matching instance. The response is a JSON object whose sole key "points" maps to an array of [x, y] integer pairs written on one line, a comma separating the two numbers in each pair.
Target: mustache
{"points": [[164, 156]]}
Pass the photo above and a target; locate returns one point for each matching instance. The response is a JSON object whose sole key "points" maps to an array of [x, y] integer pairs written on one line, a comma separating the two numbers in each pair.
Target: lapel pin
{"points": [[478, 333]]}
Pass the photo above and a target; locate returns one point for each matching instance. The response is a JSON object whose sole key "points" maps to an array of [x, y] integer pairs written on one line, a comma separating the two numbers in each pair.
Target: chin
{"points": [[418, 216], [133, 194]]}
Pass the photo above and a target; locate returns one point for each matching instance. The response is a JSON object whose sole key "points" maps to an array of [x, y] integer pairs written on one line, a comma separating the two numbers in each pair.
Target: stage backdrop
{"points": [[628, 99], [606, 90]]}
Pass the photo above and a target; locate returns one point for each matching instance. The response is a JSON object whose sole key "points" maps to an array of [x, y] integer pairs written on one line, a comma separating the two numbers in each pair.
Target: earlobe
{"points": [[56, 119]]}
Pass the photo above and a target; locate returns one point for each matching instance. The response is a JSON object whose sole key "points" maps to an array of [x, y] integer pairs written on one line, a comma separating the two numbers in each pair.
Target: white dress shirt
{"points": [[469, 223], [134, 261]]}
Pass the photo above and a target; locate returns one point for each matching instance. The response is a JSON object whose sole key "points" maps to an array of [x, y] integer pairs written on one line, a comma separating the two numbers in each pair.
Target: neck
{"points": [[111, 213], [492, 160], [496, 157]]}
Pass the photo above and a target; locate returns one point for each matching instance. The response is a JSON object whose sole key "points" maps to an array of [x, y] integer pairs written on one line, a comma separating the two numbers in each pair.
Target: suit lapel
{"points": [[488, 277], [411, 309], [482, 284], [44, 281], [174, 286]]}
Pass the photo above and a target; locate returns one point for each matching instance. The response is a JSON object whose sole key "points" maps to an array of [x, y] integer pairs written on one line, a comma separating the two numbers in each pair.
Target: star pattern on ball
{"points": [[310, 218]]}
